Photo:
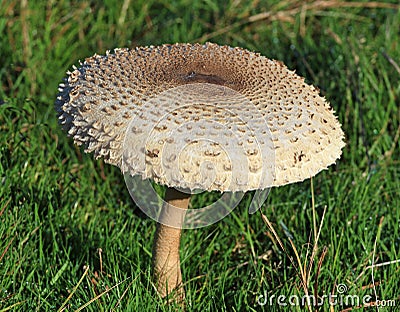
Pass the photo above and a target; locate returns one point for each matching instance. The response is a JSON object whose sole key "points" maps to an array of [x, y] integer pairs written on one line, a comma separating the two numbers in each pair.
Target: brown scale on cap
{"points": [[99, 100]]}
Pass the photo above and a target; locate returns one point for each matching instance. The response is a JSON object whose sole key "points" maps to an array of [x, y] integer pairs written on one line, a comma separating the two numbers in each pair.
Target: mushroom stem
{"points": [[166, 262]]}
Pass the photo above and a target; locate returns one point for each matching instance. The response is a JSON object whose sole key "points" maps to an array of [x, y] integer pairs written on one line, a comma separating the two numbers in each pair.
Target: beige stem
{"points": [[166, 263]]}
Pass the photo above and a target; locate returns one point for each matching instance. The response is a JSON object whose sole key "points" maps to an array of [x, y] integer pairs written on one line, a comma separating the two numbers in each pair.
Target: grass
{"points": [[71, 238]]}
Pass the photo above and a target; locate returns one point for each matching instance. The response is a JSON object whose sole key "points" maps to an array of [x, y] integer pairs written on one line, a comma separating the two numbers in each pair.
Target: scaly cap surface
{"points": [[200, 117]]}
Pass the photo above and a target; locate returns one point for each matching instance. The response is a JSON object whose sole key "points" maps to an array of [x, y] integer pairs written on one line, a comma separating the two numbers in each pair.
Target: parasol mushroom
{"points": [[197, 117]]}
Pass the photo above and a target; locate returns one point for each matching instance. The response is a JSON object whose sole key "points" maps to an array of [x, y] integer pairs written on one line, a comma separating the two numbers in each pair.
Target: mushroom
{"points": [[197, 117]]}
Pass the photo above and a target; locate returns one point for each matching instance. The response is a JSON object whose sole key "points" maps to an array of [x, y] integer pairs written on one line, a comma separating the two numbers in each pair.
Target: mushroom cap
{"points": [[199, 116]]}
